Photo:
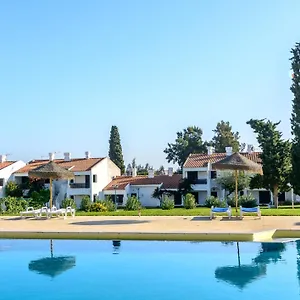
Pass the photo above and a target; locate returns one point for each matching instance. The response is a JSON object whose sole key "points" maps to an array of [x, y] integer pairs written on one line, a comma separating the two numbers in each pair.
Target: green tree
{"points": [[295, 119], [12, 189], [115, 149], [188, 141], [275, 156], [225, 137], [160, 171], [227, 181]]}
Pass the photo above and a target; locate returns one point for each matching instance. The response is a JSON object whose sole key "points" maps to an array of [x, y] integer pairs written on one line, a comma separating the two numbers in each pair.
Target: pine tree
{"points": [[225, 137], [115, 149], [295, 119], [275, 156]]}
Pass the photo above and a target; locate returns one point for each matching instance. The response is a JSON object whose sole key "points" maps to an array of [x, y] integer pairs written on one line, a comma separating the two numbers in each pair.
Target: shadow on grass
{"points": [[110, 222]]}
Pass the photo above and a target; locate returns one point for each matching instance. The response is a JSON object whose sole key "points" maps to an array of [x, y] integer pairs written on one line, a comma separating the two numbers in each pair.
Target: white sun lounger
{"points": [[220, 210], [55, 212], [30, 211], [244, 210], [40, 212]]}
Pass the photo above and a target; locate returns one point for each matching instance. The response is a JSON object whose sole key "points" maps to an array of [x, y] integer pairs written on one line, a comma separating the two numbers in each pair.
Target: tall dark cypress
{"points": [[115, 149], [295, 119]]}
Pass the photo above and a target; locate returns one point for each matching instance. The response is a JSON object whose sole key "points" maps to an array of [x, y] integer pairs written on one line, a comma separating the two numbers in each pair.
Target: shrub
{"points": [[132, 203], [14, 205], [68, 202], [13, 190], [109, 204], [38, 199], [214, 201], [247, 201], [97, 206], [85, 204], [167, 203], [189, 201]]}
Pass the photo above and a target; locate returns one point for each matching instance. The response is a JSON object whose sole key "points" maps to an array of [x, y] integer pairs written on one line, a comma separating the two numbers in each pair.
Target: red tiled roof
{"points": [[77, 164], [168, 182], [201, 160], [6, 164]]}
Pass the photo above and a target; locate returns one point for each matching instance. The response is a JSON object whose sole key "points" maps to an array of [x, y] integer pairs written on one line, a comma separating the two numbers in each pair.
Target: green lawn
{"points": [[199, 211]]}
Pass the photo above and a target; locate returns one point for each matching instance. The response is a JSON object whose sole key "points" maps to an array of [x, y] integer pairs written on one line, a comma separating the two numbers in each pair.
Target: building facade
{"points": [[91, 175], [7, 169], [198, 168]]}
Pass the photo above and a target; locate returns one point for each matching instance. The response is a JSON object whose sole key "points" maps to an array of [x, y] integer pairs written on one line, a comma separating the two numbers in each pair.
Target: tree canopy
{"points": [[225, 137], [275, 156], [115, 149], [295, 119], [187, 141], [227, 181]]}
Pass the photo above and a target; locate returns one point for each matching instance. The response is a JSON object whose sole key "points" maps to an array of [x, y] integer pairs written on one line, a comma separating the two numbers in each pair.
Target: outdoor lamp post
{"points": [[115, 188]]}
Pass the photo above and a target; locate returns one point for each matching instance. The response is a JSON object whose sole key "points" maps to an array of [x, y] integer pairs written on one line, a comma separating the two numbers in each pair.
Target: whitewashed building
{"points": [[198, 168], [91, 176], [7, 168], [142, 186]]}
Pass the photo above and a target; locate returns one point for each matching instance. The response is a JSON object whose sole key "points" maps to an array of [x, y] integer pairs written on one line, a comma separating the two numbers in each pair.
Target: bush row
{"points": [[245, 201]]}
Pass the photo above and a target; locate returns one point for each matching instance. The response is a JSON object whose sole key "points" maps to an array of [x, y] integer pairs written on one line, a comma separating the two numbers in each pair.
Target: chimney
{"points": [[150, 173], [51, 156], [2, 158], [67, 156], [134, 171], [249, 148], [170, 171], [228, 151], [210, 150], [87, 154]]}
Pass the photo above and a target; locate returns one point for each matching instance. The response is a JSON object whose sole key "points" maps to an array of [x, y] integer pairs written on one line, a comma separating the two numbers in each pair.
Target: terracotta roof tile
{"points": [[201, 160], [169, 182], [6, 164], [76, 164]]}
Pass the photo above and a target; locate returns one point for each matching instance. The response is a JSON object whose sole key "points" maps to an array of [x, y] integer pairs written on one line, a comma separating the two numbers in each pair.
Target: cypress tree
{"points": [[295, 119], [115, 149]]}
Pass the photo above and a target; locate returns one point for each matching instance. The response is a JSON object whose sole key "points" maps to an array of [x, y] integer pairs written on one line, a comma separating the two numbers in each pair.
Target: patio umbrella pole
{"points": [[236, 190], [238, 251], [50, 193]]}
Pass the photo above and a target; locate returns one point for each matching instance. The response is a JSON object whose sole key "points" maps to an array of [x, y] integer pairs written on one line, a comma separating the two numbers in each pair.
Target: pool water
{"points": [[60, 269]]}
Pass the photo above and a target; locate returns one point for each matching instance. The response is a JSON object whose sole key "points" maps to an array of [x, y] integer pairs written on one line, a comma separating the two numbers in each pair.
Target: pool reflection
{"points": [[242, 275]]}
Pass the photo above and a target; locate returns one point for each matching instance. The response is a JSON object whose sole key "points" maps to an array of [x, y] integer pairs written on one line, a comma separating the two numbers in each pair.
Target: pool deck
{"points": [[152, 228]]}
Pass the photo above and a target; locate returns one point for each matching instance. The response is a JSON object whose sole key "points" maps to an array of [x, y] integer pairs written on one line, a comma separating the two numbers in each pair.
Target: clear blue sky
{"points": [[71, 69]]}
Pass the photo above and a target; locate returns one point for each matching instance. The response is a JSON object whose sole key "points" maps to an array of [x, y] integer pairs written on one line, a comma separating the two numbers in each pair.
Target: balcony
{"points": [[79, 186], [200, 181]]}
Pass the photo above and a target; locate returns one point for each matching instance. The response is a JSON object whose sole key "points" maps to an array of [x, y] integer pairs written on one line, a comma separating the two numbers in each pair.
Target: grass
{"points": [[199, 211]]}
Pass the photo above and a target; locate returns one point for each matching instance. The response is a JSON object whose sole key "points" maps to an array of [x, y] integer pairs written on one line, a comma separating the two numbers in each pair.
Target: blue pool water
{"points": [[58, 269]]}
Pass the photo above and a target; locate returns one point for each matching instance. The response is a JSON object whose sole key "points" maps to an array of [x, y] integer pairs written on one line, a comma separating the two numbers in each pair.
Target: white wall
{"points": [[105, 171], [7, 174], [145, 194]]}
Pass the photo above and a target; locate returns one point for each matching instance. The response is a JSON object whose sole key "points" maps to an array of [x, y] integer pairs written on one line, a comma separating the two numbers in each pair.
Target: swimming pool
{"points": [[74, 269]]}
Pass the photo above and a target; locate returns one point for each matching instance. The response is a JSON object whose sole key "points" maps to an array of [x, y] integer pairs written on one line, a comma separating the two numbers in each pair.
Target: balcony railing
{"points": [[200, 181], [79, 186]]}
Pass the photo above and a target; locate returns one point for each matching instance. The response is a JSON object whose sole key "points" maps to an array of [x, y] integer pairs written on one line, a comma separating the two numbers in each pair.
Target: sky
{"points": [[71, 69]]}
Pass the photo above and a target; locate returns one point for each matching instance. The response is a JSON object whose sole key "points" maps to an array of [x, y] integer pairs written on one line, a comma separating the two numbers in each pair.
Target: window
{"points": [[1, 181], [72, 181], [213, 174], [87, 181], [193, 175], [214, 194], [94, 178], [72, 197], [95, 197]]}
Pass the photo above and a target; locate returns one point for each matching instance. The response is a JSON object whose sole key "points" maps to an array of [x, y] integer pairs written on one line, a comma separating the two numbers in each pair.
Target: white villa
{"points": [[198, 168], [91, 176], [142, 186], [7, 168]]}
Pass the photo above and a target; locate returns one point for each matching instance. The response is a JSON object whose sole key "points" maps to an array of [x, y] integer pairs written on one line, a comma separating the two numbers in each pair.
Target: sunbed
{"points": [[30, 211], [55, 212], [220, 210], [244, 210]]}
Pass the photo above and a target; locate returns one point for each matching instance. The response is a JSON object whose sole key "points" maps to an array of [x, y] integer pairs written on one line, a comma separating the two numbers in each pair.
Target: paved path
{"points": [[149, 224]]}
